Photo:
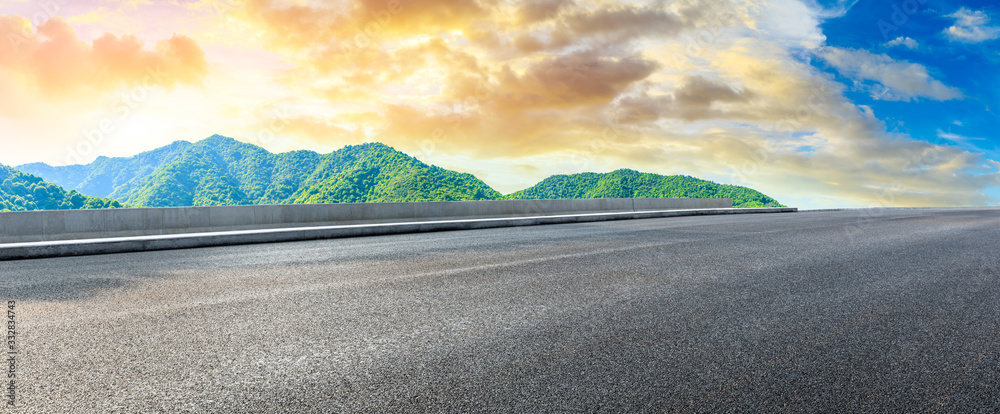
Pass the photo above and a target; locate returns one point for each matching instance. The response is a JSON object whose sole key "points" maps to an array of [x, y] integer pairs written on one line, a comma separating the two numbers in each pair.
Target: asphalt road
{"points": [[849, 311]]}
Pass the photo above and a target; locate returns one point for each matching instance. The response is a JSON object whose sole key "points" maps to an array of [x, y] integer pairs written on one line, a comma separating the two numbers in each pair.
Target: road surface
{"points": [[864, 311]]}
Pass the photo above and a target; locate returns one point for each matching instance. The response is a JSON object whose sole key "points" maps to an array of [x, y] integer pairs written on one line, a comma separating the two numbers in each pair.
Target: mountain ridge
{"points": [[220, 170], [101, 177], [223, 171]]}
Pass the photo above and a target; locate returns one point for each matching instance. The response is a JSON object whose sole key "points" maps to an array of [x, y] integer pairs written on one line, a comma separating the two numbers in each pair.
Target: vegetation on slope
{"points": [[377, 173], [189, 180], [22, 192], [108, 177], [224, 171], [626, 183]]}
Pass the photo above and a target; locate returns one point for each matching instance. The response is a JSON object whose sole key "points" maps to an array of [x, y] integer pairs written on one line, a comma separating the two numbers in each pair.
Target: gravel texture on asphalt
{"points": [[836, 311]]}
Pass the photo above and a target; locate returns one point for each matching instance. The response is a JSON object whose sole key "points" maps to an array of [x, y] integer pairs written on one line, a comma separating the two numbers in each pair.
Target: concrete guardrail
{"points": [[19, 251], [62, 225]]}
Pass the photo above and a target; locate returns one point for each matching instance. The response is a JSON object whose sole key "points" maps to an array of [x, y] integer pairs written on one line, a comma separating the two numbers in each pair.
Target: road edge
{"points": [[68, 248]]}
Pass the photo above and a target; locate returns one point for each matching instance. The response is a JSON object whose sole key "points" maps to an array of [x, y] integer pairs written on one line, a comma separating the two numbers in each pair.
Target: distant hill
{"points": [[626, 183], [223, 171], [105, 176], [22, 192]]}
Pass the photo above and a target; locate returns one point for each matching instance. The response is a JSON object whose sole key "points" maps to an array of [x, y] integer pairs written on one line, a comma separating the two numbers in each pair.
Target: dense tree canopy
{"points": [[108, 177], [22, 192], [628, 184], [224, 171]]}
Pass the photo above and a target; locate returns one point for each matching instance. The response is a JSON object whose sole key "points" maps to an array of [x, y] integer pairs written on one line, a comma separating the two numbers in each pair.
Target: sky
{"points": [[818, 103]]}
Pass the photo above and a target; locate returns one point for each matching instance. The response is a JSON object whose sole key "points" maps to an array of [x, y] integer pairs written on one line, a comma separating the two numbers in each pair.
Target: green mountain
{"points": [[22, 192], [626, 183], [105, 176], [224, 171], [377, 173]]}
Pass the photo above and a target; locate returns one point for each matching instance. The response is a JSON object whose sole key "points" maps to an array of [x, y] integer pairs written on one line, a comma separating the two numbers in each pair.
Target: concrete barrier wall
{"points": [[38, 226]]}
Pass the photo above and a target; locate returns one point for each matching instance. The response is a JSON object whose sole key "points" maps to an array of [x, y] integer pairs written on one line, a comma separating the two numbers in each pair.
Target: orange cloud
{"points": [[572, 80], [550, 107], [539, 10], [361, 22], [626, 22], [427, 16], [58, 64], [611, 27], [697, 98], [483, 134], [319, 131]]}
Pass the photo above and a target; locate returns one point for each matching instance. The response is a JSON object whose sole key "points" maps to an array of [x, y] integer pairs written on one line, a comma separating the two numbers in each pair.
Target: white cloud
{"points": [[961, 139], [830, 9], [901, 80], [971, 27], [791, 23], [904, 41]]}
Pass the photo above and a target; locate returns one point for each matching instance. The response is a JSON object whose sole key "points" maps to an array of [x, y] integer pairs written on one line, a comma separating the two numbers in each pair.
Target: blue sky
{"points": [[970, 64]]}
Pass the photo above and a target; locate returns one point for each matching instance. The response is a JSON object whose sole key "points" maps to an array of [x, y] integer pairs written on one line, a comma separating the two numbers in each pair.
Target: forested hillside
{"points": [[377, 173], [224, 171], [626, 183], [21, 192], [105, 175]]}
